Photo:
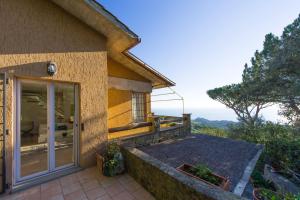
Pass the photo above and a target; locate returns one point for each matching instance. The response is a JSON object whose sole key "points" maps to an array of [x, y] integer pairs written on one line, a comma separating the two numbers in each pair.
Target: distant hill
{"points": [[223, 124]]}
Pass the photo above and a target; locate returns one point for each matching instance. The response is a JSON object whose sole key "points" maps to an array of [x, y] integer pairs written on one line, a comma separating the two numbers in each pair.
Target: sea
{"points": [[269, 114]]}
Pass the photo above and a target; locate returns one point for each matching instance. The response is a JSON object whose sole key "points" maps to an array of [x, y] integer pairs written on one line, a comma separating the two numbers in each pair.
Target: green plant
{"points": [[292, 197], [205, 173], [113, 160], [258, 181], [265, 194], [219, 132], [172, 124], [112, 149]]}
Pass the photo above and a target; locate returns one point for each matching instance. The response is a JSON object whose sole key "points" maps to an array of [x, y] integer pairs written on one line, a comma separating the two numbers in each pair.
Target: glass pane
{"points": [[64, 119], [33, 127]]}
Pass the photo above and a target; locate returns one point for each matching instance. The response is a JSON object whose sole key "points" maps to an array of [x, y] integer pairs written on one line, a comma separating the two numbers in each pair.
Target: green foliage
{"points": [[272, 78], [285, 152], [205, 173], [112, 162], [112, 149], [265, 194], [197, 128], [281, 142], [263, 133], [258, 181], [171, 124], [239, 98]]}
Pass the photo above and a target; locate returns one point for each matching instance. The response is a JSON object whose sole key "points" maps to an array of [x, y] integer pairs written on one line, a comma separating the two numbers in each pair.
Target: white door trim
{"points": [[17, 179]]}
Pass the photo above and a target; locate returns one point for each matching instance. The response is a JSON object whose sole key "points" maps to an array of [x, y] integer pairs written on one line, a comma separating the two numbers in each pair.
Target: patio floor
{"points": [[88, 184]]}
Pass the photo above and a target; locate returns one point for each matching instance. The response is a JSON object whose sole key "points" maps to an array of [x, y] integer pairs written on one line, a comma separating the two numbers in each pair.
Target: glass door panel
{"points": [[64, 124], [33, 128]]}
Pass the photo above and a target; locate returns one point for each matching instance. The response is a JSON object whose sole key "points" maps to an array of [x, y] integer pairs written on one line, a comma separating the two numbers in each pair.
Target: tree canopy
{"points": [[272, 77]]}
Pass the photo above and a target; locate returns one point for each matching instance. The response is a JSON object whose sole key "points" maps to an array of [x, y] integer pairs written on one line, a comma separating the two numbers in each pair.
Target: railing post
{"points": [[155, 128], [155, 124], [187, 123]]}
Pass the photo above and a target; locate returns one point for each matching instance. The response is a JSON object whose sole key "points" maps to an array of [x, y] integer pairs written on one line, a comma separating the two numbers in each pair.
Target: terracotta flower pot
{"points": [[100, 161], [224, 183], [255, 194]]}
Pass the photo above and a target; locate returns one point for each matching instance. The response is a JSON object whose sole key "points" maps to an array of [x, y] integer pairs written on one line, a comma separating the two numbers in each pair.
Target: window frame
{"points": [[138, 107]]}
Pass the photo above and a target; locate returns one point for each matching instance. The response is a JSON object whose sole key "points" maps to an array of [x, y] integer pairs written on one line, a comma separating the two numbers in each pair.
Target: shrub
{"points": [[205, 173], [282, 142]]}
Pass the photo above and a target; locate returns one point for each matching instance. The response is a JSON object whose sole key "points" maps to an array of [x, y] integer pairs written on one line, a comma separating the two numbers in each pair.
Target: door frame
{"points": [[51, 169]]}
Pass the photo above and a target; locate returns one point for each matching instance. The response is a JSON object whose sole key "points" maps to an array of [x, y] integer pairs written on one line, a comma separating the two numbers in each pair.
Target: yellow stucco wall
{"points": [[33, 32], [120, 101], [116, 69], [119, 108], [120, 112]]}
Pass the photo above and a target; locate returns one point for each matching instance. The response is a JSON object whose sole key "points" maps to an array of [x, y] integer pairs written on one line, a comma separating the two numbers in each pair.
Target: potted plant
{"points": [[204, 174], [266, 194], [113, 162]]}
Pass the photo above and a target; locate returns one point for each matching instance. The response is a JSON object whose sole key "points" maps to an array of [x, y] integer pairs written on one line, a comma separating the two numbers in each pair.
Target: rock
{"points": [[281, 183]]}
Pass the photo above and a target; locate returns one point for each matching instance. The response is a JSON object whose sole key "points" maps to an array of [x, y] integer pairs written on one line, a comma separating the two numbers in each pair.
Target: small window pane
{"points": [[138, 107]]}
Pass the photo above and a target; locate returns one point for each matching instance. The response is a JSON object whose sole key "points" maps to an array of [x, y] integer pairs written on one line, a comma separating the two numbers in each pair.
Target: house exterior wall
{"points": [[34, 32], [120, 107], [116, 69], [120, 101]]}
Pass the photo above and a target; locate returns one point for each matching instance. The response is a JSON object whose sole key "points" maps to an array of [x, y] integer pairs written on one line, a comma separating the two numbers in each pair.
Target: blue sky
{"points": [[202, 44]]}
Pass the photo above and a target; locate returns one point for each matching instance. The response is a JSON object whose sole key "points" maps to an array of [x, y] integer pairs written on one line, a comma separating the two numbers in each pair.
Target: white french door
{"points": [[46, 128]]}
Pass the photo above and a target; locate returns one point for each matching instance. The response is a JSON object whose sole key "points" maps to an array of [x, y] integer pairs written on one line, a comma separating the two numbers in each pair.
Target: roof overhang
{"points": [[119, 37]]}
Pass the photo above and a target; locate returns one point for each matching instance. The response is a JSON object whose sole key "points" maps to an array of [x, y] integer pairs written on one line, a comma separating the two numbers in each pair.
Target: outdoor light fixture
{"points": [[51, 68]]}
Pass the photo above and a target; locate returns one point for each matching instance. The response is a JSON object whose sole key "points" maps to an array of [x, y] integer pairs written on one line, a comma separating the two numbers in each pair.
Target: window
{"points": [[138, 107]]}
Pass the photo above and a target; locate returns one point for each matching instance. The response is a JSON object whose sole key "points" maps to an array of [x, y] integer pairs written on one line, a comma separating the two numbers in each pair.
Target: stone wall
{"points": [[166, 183], [157, 134], [153, 137]]}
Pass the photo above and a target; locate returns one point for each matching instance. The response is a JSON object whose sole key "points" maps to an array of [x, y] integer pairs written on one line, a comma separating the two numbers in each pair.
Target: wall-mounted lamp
{"points": [[51, 68]]}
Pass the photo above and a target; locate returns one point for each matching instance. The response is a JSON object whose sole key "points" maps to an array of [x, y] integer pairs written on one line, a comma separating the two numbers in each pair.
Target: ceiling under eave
{"points": [[119, 37]]}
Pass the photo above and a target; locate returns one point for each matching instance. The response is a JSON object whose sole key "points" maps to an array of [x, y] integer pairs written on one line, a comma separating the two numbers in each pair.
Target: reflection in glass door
{"points": [[64, 124], [46, 127], [33, 128]]}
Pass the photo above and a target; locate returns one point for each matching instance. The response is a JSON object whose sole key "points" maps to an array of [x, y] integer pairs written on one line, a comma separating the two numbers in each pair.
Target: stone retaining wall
{"points": [[154, 137], [166, 183]]}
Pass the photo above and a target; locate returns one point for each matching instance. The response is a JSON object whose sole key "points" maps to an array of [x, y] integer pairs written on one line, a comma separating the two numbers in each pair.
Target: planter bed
{"points": [[223, 182]]}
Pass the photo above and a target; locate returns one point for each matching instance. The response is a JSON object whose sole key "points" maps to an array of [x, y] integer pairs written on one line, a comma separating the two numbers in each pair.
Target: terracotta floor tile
{"points": [[71, 188], [34, 196], [125, 179], [15, 196], [123, 196], [50, 185], [47, 192], [67, 180], [132, 186], [77, 195], [55, 197], [142, 194], [87, 184], [104, 197], [114, 189], [90, 184], [95, 193], [108, 181]]}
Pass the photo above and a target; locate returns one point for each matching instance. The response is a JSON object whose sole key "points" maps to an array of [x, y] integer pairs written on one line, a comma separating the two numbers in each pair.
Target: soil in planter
{"points": [[204, 173]]}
